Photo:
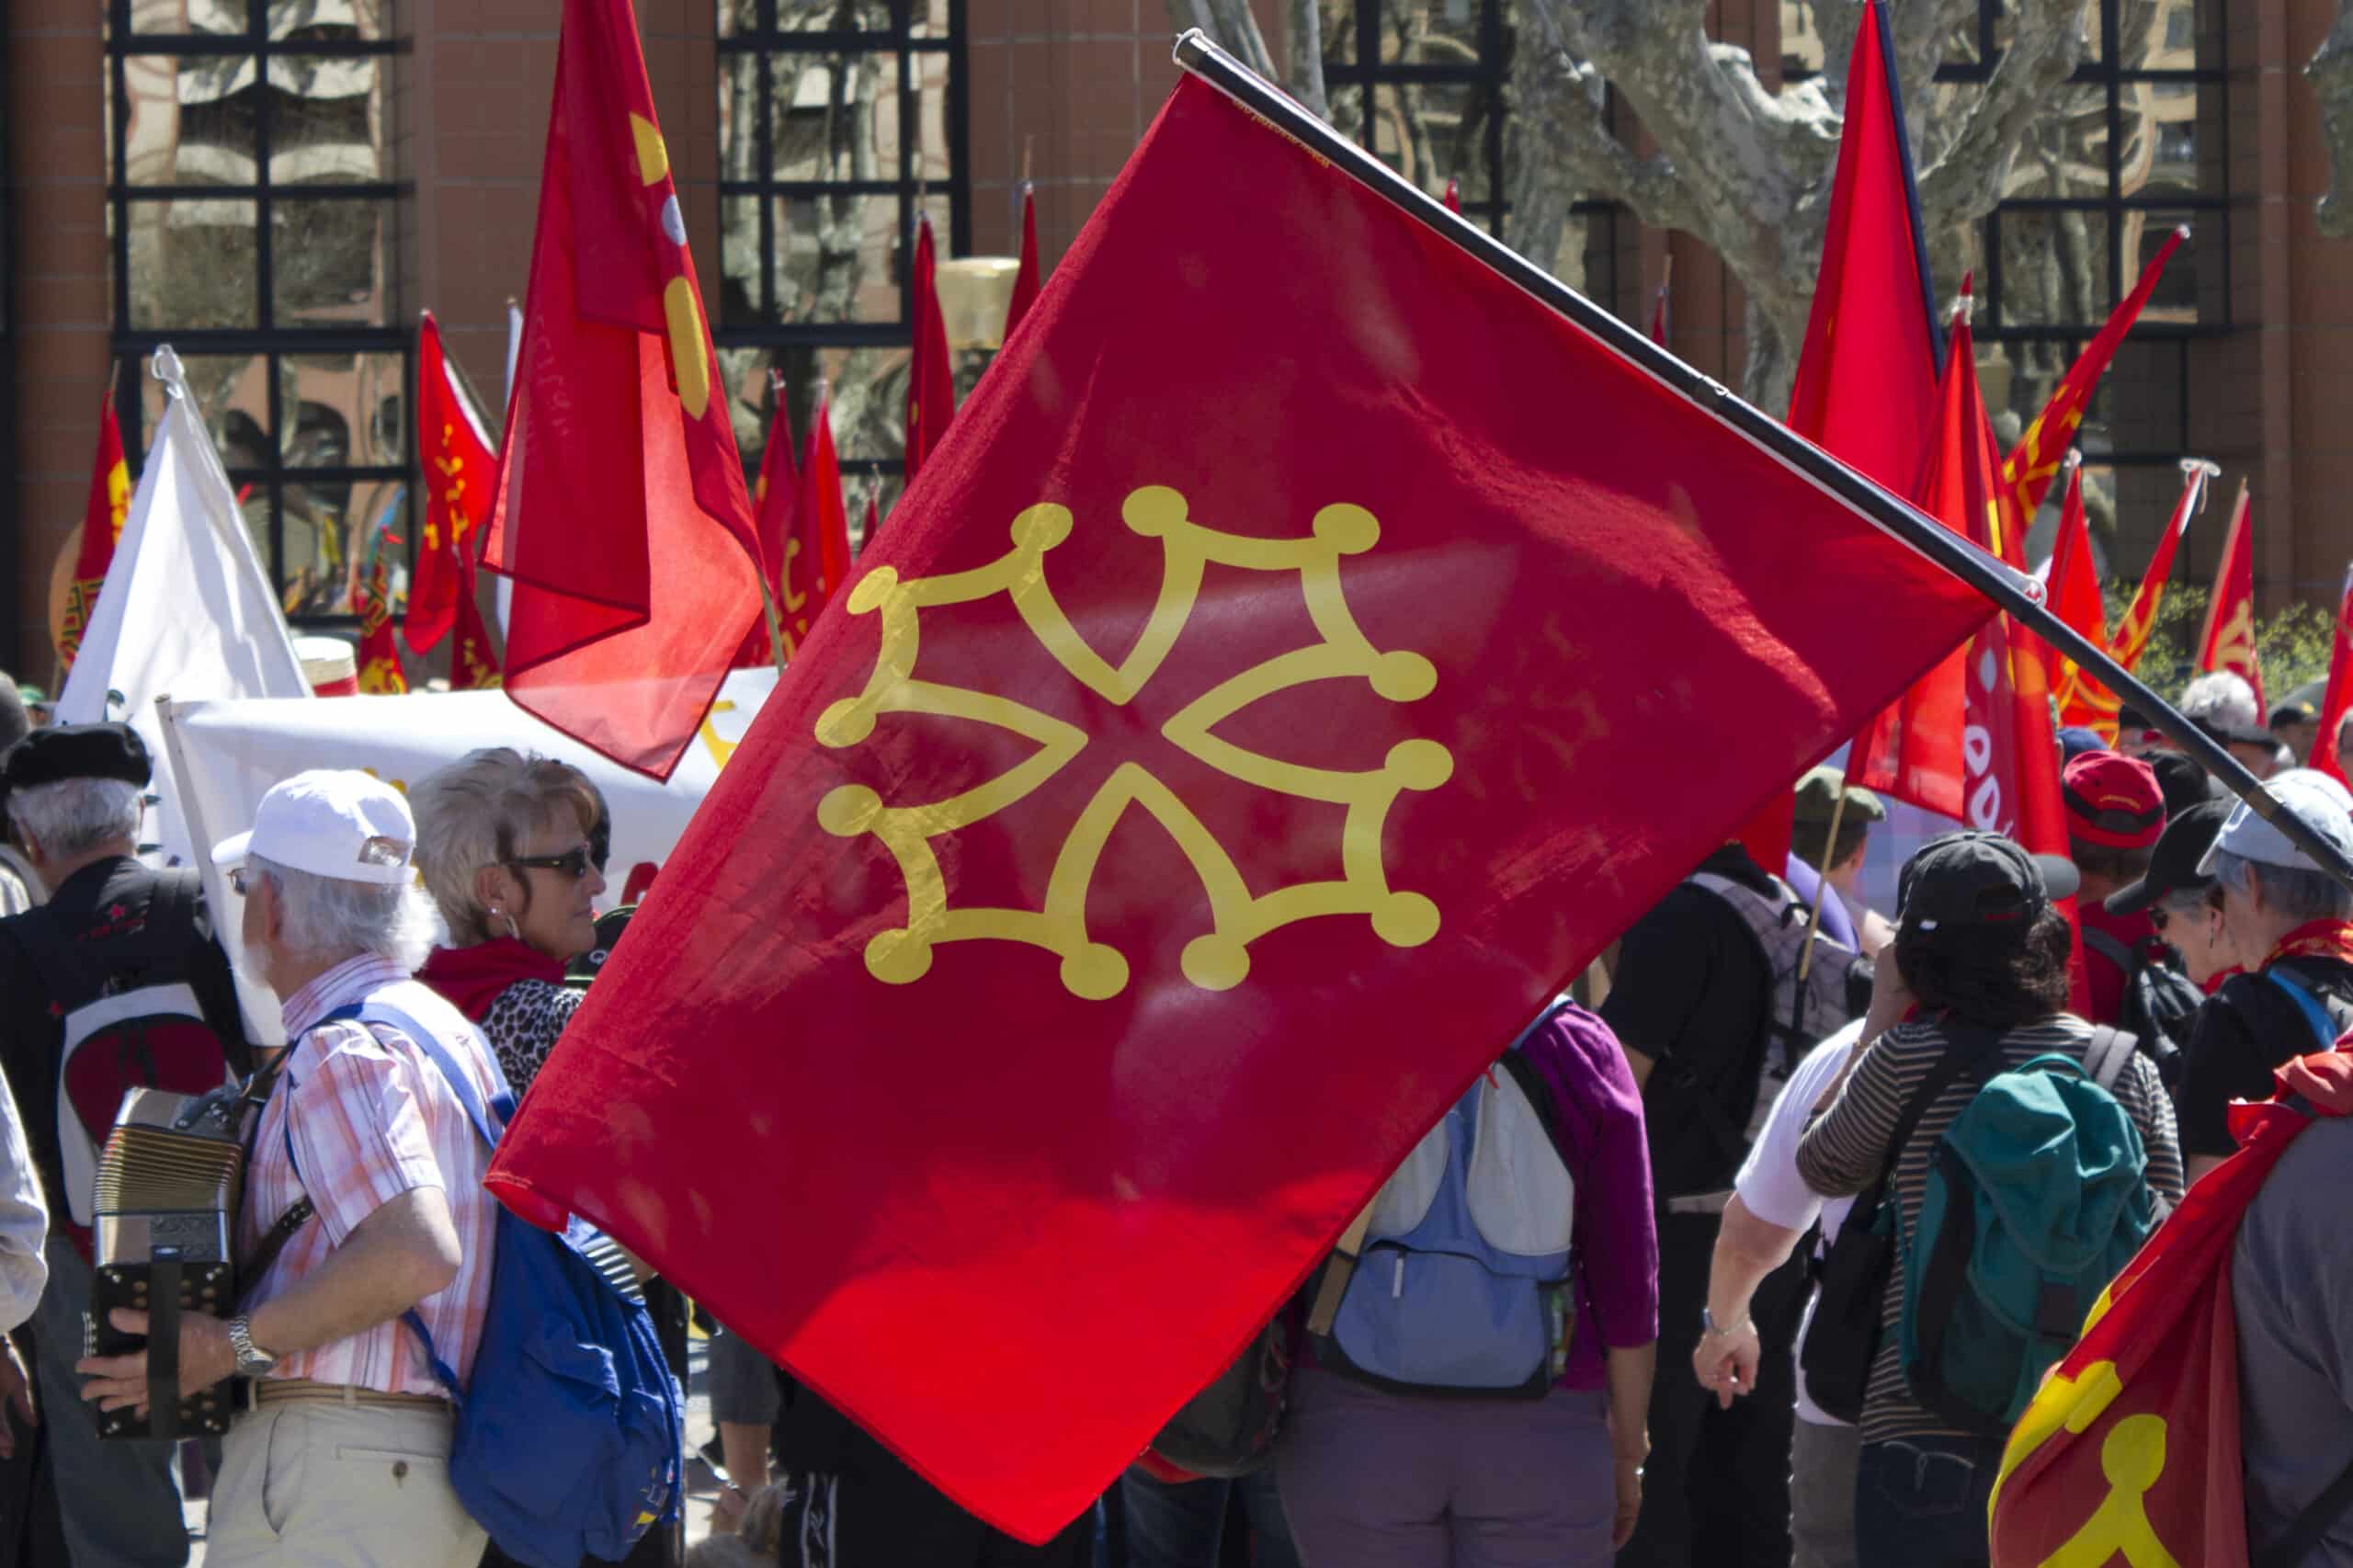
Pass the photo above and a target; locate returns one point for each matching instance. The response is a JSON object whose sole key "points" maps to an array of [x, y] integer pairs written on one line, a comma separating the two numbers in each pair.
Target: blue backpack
{"points": [[1458, 1281], [2038, 1195], [569, 1437]]}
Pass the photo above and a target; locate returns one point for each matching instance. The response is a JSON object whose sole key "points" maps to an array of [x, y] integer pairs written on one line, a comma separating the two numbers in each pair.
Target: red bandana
{"points": [[472, 978], [2317, 939]]}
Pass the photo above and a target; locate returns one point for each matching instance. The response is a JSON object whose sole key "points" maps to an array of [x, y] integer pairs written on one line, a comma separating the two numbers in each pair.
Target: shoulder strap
{"points": [[2106, 1057], [1963, 1046], [2108, 946], [2291, 1549], [2324, 1027]]}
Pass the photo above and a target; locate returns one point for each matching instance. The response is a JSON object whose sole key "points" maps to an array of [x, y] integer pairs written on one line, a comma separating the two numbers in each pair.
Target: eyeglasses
{"points": [[575, 862], [241, 880]]}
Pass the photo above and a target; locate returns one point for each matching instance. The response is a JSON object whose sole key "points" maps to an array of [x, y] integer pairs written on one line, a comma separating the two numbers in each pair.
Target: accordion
{"points": [[170, 1182]]}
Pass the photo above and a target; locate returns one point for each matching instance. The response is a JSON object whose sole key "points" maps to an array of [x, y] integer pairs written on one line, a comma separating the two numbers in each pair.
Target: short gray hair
{"points": [[327, 917], [478, 811], [2298, 893], [74, 816], [2223, 698]]}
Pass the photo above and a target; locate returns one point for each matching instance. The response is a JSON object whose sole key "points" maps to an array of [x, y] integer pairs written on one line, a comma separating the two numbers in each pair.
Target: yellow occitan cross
{"points": [[1219, 959]]}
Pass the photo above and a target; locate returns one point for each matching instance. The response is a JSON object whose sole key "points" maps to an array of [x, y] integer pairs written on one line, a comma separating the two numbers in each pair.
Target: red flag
{"points": [[873, 515], [2132, 639], [931, 377], [1025, 276], [102, 518], [1866, 388], [379, 654], [459, 467], [2130, 1452], [821, 525], [2339, 697], [621, 514], [474, 658], [775, 497], [2028, 472], [2228, 642], [1195, 727], [2073, 586], [1453, 194]]}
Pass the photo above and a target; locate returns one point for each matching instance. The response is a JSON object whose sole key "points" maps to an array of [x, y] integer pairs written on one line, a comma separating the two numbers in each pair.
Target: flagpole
{"points": [[2012, 591], [1821, 881]]}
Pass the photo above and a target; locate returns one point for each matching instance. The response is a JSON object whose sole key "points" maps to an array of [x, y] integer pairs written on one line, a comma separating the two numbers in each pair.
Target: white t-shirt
{"points": [[1769, 1183]]}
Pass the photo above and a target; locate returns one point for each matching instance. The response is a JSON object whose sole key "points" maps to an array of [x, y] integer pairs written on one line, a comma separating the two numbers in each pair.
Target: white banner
{"points": [[227, 753]]}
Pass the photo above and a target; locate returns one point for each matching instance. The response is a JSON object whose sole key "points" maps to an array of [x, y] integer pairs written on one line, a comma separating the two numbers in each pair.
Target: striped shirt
{"points": [[368, 1117], [1843, 1151]]}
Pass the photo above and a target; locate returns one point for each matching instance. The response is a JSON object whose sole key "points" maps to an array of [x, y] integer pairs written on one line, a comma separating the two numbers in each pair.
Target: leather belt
{"points": [[1699, 1203], [270, 1391]]}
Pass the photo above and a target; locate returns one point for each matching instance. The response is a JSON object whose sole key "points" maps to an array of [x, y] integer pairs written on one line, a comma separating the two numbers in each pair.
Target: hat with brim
{"points": [[2173, 864], [333, 823], [77, 751], [1975, 880], [2320, 802]]}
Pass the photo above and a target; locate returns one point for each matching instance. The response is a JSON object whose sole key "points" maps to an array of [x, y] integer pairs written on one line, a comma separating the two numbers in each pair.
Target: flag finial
{"points": [[165, 366]]}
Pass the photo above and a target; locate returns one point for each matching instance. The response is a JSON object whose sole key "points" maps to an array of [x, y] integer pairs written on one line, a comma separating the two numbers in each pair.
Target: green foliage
{"points": [[2294, 644]]}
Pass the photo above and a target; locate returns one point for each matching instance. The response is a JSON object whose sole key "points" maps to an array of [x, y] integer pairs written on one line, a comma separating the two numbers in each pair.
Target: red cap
{"points": [[2114, 800]]}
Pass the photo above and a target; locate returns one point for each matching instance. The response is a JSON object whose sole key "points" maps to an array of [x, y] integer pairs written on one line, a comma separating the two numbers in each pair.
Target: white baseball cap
{"points": [[333, 823], [2318, 801]]}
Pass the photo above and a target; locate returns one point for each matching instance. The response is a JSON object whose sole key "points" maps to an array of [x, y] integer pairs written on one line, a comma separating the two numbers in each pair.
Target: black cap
{"points": [[2173, 864], [76, 751], [2293, 711], [1979, 879], [2182, 781], [2225, 733]]}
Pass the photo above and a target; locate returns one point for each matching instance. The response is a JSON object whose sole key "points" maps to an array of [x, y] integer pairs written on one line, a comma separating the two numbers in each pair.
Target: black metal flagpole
{"points": [[2015, 593]]}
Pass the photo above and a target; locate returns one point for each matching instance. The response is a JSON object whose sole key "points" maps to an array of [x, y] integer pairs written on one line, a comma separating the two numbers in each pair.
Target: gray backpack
{"points": [[1835, 990]]}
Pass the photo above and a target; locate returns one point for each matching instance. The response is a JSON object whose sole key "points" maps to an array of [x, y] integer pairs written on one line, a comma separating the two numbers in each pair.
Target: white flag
{"points": [[186, 610]]}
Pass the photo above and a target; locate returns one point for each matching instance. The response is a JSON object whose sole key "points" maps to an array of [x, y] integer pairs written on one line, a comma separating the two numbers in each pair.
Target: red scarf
{"points": [[2316, 939], [472, 978]]}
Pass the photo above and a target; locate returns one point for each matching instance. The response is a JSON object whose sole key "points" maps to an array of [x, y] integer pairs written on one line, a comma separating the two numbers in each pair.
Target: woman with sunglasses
{"points": [[512, 849]]}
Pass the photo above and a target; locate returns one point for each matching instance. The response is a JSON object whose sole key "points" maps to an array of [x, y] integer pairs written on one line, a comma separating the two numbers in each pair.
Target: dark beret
{"points": [[76, 751]]}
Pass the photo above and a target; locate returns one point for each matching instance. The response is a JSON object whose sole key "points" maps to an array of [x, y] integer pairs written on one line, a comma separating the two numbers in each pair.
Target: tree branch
{"points": [[1967, 178], [2331, 75], [1306, 82]]}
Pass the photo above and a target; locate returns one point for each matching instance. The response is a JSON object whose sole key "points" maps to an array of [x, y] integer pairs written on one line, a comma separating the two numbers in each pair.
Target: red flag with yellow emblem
{"points": [[931, 374], [2073, 583], [2130, 1452], [620, 512], [379, 654], [454, 442], [102, 518], [2228, 641], [1251, 718], [776, 495], [2092, 703]]}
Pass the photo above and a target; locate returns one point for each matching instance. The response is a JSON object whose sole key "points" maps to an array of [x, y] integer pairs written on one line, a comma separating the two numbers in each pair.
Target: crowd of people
{"points": [[1668, 1287]]}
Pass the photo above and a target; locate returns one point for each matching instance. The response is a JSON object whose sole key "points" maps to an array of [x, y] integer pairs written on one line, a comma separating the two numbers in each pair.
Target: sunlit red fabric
{"points": [[776, 495], [931, 375], [2131, 638], [988, 1164], [2228, 640], [2076, 598], [622, 513], [2338, 699], [460, 466], [380, 653], [102, 518], [1026, 279]]}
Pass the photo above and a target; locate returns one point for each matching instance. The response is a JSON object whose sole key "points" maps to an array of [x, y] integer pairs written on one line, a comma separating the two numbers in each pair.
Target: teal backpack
{"points": [[2037, 1196]]}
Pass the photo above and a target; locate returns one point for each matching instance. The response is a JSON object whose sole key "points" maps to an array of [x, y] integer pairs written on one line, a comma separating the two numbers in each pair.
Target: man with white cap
{"points": [[2290, 926], [364, 1158]]}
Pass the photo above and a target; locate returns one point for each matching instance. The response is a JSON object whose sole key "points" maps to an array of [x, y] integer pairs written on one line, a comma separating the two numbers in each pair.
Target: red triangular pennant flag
{"points": [[775, 497], [102, 517], [2228, 641], [454, 444], [474, 658], [821, 524], [2131, 637], [2073, 583], [380, 653], [931, 375], [1025, 276], [622, 513], [1166, 752], [2338, 699]]}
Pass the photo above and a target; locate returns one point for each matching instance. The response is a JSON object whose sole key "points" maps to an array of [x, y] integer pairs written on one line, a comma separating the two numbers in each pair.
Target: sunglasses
{"points": [[241, 880], [575, 862]]}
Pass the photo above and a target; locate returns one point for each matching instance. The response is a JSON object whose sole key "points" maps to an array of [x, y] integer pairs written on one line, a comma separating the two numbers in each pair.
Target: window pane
{"points": [[824, 119], [927, 18], [1434, 133], [832, 15], [191, 119], [1804, 52], [1338, 19], [192, 265], [739, 118], [2064, 151], [1430, 32], [2170, 35], [931, 162], [742, 260], [2170, 148], [836, 258], [343, 410], [325, 21], [2005, 11], [2190, 294], [321, 531], [326, 125], [188, 17], [332, 263], [2018, 378], [2054, 269], [2137, 410], [232, 392]]}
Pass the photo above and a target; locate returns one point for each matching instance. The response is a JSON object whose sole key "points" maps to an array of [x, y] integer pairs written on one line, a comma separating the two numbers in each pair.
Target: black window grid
{"points": [[268, 341], [767, 45]]}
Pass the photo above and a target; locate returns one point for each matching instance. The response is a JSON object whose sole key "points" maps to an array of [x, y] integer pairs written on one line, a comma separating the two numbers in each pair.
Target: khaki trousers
{"points": [[316, 1484]]}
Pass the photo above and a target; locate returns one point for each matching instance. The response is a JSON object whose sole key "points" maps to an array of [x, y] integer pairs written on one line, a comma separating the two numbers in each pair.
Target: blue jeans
{"points": [[1920, 1501], [1181, 1526]]}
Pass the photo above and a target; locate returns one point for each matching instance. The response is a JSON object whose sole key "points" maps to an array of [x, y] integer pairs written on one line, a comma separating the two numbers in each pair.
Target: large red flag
{"points": [[2074, 596], [2131, 638], [1866, 388], [459, 467], [2228, 641], [931, 375], [775, 499], [2034, 462], [474, 658], [1025, 274], [102, 517], [621, 514], [1238, 737], [379, 654], [2338, 699]]}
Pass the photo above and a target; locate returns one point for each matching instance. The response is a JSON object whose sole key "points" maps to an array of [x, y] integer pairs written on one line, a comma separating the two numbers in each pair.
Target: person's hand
{"points": [[16, 1388], [1628, 1470], [727, 1513], [119, 1381], [1726, 1363], [1890, 998]]}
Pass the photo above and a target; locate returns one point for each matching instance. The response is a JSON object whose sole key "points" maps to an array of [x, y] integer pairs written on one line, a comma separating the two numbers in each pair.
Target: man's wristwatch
{"points": [[1708, 1321], [253, 1361]]}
